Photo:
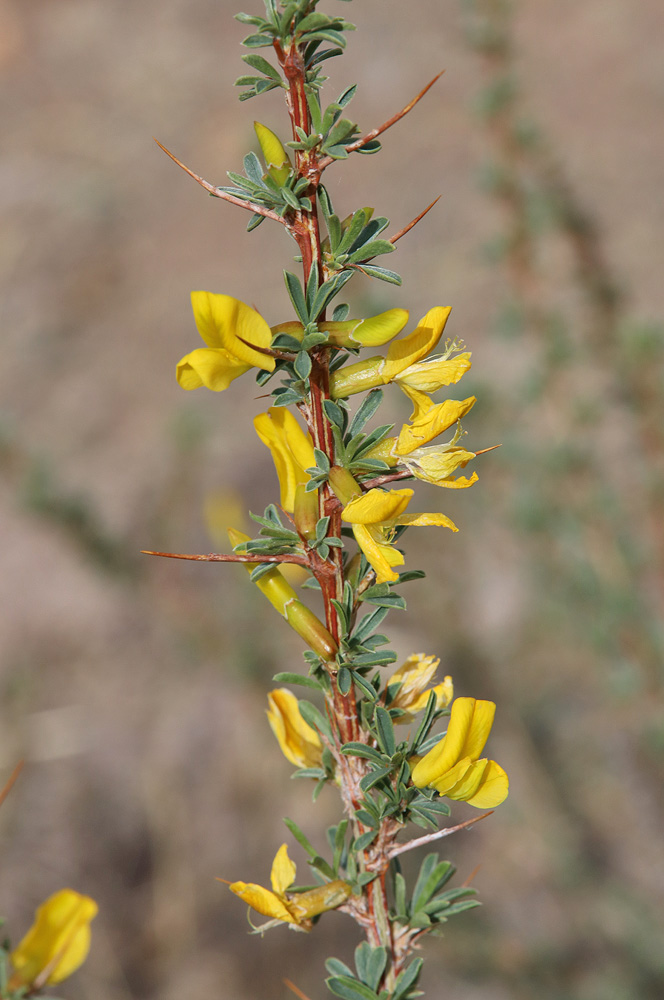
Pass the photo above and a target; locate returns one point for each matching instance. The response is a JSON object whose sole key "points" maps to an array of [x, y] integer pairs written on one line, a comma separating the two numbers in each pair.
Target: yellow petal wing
{"points": [[262, 900], [283, 871], [416, 345], [493, 788], [376, 506], [223, 321], [214, 368]]}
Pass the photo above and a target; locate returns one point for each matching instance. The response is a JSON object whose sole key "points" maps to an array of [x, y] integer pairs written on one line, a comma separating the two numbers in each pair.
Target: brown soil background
{"points": [[135, 690]]}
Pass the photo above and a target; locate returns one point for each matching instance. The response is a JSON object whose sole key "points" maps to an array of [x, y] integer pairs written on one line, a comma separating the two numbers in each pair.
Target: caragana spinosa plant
{"points": [[342, 513]]}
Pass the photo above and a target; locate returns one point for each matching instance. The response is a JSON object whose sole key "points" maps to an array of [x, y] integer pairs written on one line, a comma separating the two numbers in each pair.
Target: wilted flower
{"points": [[410, 684], [453, 767], [58, 941], [232, 331], [374, 515], [300, 744], [292, 908]]}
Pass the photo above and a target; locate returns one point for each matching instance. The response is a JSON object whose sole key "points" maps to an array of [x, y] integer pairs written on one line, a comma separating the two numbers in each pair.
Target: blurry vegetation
{"points": [[573, 504]]}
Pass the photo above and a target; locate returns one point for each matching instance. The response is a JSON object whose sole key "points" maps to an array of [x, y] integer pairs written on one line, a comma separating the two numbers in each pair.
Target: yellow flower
{"points": [[232, 331], [370, 332], [292, 908], [428, 420], [291, 449], [300, 744], [412, 679], [57, 943], [402, 360], [374, 515], [453, 767]]}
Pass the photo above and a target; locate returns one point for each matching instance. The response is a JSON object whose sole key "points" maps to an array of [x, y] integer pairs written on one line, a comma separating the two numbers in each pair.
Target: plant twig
{"points": [[358, 143], [222, 557], [12, 779], [430, 837], [407, 229], [218, 193]]}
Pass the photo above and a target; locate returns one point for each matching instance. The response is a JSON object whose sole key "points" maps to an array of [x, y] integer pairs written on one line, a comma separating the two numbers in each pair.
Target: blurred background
{"points": [[135, 689]]}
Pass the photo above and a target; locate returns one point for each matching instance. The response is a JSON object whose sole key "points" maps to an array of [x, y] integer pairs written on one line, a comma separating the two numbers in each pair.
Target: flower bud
{"points": [[57, 943], [276, 158]]}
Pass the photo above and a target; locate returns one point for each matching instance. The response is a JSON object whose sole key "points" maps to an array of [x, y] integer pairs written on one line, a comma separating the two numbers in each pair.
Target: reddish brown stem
{"points": [[222, 557], [224, 195], [375, 132]]}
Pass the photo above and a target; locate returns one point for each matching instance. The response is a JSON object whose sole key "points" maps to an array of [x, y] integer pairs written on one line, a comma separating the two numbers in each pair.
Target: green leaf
{"points": [[286, 677], [368, 688], [385, 731], [391, 601], [373, 249], [344, 680], [262, 65], [370, 963], [365, 412], [425, 724], [407, 979], [314, 718], [300, 837], [354, 749], [433, 875], [400, 904], [363, 841], [257, 41], [296, 296], [349, 988], [338, 968], [302, 365], [369, 780], [381, 272]]}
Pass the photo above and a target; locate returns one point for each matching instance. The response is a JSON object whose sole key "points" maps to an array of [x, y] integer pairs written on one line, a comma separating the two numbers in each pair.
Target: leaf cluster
{"points": [[428, 906], [364, 982], [295, 23], [353, 241]]}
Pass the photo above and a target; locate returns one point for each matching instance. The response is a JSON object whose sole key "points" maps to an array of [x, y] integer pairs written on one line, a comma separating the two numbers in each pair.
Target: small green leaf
{"points": [[349, 988], [286, 677]]}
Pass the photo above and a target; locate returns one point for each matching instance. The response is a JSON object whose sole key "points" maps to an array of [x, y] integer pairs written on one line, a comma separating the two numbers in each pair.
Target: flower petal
{"points": [[381, 555], [432, 520], [493, 788], [432, 423], [214, 368], [450, 750], [223, 321], [299, 743], [428, 376], [291, 449], [283, 871], [416, 345], [263, 901], [376, 506]]}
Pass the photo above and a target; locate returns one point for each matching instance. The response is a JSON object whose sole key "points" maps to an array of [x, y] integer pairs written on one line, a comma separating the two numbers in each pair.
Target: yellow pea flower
{"points": [[58, 941], [232, 332], [453, 767], [291, 449], [428, 420], [300, 744], [401, 356], [292, 908], [374, 515], [413, 678]]}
